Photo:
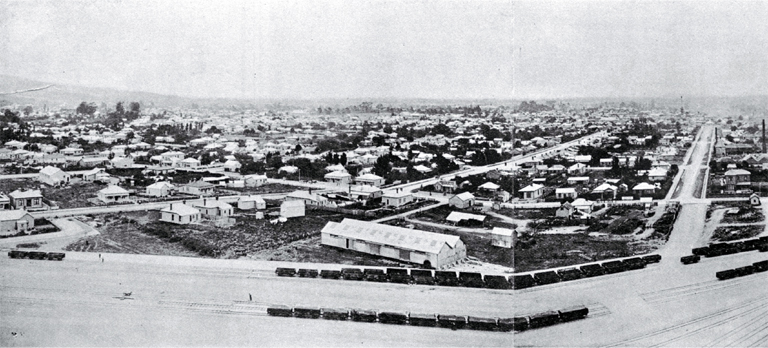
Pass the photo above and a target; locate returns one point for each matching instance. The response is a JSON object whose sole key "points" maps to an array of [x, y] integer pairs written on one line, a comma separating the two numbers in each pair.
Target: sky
{"points": [[391, 49]]}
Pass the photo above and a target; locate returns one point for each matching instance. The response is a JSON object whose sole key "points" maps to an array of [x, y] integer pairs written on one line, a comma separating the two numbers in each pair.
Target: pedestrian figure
{"points": [[250, 298], [102, 260], [99, 255]]}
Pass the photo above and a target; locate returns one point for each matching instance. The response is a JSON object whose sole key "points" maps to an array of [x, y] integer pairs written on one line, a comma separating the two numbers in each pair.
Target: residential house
{"points": [[160, 189], [566, 193], [565, 210], [53, 176], [583, 205], [122, 162], [213, 208], [339, 178], [5, 202], [644, 188], [180, 214], [113, 194], [578, 180], [396, 199], [307, 197], [657, 174], [13, 222], [532, 191], [462, 201], [605, 190], [251, 202], [232, 166], [445, 186], [370, 179], [736, 179], [94, 174], [255, 180], [31, 199], [198, 188], [364, 192]]}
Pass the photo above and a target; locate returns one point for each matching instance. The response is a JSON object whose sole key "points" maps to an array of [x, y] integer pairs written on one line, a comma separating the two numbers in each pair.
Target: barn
{"points": [[413, 246]]}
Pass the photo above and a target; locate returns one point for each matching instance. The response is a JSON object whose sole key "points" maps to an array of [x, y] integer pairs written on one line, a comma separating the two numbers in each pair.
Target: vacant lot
{"points": [[724, 234], [73, 196], [9, 185]]}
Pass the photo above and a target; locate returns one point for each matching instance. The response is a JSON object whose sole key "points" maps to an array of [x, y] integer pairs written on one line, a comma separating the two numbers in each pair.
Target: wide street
{"points": [[192, 301]]}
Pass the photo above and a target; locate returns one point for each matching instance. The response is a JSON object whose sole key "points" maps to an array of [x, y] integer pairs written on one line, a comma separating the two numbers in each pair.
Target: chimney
{"points": [[171, 206], [763, 135]]}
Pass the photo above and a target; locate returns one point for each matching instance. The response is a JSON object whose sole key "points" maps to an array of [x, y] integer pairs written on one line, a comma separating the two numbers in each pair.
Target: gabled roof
{"points": [[257, 199], [25, 194], [160, 185], [502, 231], [112, 189], [644, 186], [456, 216], [402, 238], [369, 177], [337, 175], [49, 170], [737, 172], [531, 188], [465, 196], [489, 186], [200, 184], [180, 209], [13, 215]]}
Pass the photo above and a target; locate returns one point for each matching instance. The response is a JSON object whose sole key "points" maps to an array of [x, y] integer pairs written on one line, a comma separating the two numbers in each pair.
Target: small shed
{"points": [[754, 199]]}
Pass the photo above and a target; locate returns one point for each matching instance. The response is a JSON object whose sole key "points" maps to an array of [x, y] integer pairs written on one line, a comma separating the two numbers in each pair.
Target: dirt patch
{"points": [[743, 213]]}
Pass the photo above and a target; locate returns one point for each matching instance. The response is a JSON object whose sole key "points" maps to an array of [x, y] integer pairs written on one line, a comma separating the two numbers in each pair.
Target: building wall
{"points": [[179, 220], [10, 227]]}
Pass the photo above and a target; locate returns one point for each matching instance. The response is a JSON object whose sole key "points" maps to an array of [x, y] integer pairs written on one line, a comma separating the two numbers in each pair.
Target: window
{"points": [[405, 255]]}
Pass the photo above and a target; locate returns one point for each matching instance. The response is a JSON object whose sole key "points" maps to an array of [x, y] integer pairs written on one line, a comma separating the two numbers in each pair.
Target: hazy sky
{"points": [[426, 49]]}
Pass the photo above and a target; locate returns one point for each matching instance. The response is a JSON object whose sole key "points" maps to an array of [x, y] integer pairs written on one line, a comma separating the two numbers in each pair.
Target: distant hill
{"points": [[69, 96]]}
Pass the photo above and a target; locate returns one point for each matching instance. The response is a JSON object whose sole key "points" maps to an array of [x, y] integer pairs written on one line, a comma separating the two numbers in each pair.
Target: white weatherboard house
{"points": [[113, 194], [14, 221], [160, 189], [53, 176], [370, 179], [532, 191], [396, 199], [339, 178], [180, 214], [251, 202], [414, 246], [462, 200]]}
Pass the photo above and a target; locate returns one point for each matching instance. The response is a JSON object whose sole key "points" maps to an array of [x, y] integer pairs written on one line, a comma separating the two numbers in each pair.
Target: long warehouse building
{"points": [[414, 246]]}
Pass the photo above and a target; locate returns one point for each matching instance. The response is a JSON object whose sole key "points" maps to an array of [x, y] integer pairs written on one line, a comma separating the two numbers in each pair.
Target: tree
{"points": [[441, 129], [27, 110], [86, 109], [119, 109], [343, 159], [135, 107], [297, 149]]}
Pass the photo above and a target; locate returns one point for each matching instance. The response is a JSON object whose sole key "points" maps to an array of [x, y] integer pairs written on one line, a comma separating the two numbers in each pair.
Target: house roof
{"points": [[566, 190], [12, 215], [337, 175], [489, 186], [644, 186], [112, 189], [531, 188], [369, 177], [402, 238], [212, 203], [502, 231], [257, 199], [49, 170], [200, 184], [737, 172], [364, 188], [160, 185], [25, 194], [180, 209], [456, 216], [465, 196]]}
